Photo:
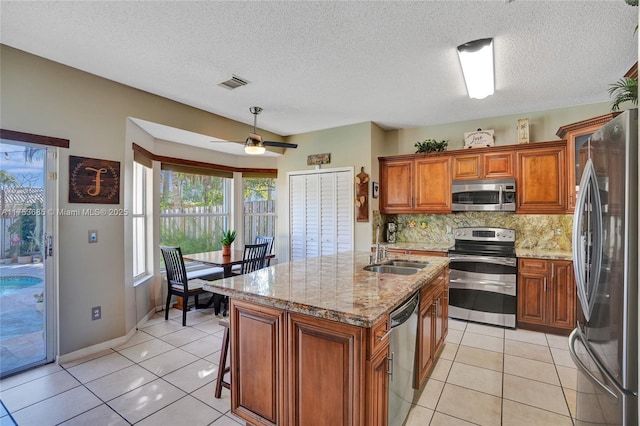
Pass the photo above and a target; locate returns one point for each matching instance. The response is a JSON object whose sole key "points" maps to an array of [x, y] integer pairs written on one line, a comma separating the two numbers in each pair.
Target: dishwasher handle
{"points": [[403, 313]]}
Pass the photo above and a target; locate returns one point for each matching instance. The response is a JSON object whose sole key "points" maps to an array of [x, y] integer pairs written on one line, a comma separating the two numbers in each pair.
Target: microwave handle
{"points": [[500, 195]]}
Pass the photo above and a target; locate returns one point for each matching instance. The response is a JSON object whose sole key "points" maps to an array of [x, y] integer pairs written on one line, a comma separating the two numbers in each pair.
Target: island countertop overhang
{"points": [[334, 287]]}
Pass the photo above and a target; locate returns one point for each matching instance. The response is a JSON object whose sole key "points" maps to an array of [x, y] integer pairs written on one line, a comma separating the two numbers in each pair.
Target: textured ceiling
{"points": [[317, 65]]}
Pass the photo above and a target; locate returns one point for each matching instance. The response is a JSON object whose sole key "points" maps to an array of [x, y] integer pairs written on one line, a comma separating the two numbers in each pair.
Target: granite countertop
{"points": [[537, 253], [334, 287], [427, 246]]}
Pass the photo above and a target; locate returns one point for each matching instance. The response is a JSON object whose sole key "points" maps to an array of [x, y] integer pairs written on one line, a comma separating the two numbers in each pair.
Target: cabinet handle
{"points": [[385, 335], [390, 365], [545, 284]]}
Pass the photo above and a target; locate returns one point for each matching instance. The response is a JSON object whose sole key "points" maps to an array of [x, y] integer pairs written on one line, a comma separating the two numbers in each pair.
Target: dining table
{"points": [[226, 262], [215, 258]]}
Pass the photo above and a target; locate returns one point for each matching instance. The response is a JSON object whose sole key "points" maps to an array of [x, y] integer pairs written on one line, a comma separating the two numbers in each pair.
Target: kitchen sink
{"points": [[408, 263], [392, 269]]}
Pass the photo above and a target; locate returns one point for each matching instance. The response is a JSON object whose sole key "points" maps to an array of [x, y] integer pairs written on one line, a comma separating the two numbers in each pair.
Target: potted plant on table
{"points": [[228, 237]]}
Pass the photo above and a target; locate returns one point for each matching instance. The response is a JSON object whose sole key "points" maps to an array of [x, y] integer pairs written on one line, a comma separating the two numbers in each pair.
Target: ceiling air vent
{"points": [[233, 83]]}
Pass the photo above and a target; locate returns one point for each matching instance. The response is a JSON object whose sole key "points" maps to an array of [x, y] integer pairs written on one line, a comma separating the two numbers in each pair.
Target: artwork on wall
{"points": [[362, 196], [523, 130], [478, 139], [317, 159], [94, 181]]}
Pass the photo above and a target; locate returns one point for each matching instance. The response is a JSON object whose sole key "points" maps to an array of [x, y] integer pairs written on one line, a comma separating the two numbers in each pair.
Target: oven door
{"points": [[483, 289]]}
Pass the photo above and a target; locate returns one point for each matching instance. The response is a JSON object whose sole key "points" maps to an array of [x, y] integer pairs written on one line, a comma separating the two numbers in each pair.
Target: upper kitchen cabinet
{"points": [[541, 178], [396, 176], [488, 164], [576, 135], [415, 184]]}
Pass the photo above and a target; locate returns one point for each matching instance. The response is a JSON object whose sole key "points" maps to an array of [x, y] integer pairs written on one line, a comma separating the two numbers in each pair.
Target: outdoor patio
{"points": [[21, 324]]}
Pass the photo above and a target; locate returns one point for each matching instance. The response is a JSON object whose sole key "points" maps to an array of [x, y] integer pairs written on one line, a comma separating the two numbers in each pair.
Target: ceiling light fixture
{"points": [[476, 59], [254, 145]]}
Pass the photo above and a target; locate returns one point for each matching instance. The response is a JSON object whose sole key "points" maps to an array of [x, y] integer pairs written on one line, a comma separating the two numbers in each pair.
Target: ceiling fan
{"points": [[254, 143]]}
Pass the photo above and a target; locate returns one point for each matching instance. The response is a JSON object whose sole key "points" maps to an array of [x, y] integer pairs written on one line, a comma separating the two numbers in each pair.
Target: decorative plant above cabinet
{"points": [[431, 145]]}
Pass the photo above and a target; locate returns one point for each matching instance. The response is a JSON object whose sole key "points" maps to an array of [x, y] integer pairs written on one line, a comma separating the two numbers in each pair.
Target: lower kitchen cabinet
{"points": [[288, 368], [433, 325], [257, 363], [546, 295]]}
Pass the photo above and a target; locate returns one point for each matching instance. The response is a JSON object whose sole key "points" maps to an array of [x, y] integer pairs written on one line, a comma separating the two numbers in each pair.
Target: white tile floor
{"points": [[491, 376], [165, 375]]}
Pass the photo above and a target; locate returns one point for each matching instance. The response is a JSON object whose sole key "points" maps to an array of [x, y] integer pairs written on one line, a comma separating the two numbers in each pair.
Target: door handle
{"points": [[390, 366]]}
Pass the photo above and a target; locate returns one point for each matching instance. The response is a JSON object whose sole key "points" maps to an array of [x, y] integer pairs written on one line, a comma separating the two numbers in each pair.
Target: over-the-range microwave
{"points": [[497, 195]]}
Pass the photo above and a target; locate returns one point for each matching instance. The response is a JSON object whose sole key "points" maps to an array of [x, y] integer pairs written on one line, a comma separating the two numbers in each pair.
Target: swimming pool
{"points": [[12, 283]]}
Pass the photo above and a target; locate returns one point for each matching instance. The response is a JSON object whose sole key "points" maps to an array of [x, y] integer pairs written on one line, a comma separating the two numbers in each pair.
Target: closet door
{"points": [[344, 197], [321, 213]]}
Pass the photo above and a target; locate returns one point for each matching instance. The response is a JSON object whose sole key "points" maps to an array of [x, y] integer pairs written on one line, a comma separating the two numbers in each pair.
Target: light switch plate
{"points": [[93, 236]]}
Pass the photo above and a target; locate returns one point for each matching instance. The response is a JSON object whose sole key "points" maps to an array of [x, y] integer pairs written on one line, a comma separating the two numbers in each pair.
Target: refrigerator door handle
{"points": [[586, 289], [575, 335]]}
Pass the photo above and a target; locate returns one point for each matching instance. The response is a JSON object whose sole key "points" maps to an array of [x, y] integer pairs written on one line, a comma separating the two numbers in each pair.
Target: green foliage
{"points": [[25, 228], [623, 90], [431, 145], [259, 189], [190, 190], [228, 237], [187, 242]]}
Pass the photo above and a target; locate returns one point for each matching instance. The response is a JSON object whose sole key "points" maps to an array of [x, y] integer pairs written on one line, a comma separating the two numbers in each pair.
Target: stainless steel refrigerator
{"points": [[604, 344]]}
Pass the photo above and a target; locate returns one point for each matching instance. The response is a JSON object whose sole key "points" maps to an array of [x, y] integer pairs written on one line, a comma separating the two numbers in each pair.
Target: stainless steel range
{"points": [[482, 279]]}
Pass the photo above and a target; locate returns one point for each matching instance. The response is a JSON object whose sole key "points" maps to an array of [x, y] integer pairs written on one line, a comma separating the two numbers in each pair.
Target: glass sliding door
{"points": [[26, 223]]}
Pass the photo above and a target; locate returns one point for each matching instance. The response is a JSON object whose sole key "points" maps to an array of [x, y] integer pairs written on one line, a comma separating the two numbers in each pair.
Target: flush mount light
{"points": [[254, 145], [476, 59]]}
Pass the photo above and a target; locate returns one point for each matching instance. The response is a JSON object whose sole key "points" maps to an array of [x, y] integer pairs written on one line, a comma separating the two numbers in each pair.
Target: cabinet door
{"points": [[325, 372], [497, 165], [396, 181], [541, 181], [425, 345], [433, 185], [532, 299], [257, 363], [562, 297], [466, 167], [377, 385]]}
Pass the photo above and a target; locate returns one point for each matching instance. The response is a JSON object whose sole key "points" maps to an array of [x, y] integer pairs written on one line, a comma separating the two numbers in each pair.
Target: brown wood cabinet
{"points": [[293, 369], [546, 295], [396, 185], [415, 183], [541, 178], [576, 135], [483, 165], [258, 375], [325, 357], [433, 323]]}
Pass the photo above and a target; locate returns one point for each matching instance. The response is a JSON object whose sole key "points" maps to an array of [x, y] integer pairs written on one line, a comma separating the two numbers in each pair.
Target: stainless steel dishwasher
{"points": [[402, 349]]}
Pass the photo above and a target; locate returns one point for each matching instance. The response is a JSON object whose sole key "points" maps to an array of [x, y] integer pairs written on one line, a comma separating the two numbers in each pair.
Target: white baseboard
{"points": [[90, 350]]}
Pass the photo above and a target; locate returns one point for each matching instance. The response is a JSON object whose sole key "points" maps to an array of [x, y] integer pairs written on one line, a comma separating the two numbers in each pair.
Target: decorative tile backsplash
{"points": [[545, 232]]}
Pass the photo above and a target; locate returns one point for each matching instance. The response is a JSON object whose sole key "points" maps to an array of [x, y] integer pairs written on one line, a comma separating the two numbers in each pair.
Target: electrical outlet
{"points": [[93, 236], [558, 231], [96, 313], [449, 230]]}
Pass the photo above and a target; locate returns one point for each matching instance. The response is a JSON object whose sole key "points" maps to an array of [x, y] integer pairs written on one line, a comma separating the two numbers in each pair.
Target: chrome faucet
{"points": [[377, 257]]}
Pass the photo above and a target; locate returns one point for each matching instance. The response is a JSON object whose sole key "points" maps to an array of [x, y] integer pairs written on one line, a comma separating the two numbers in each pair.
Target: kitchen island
{"points": [[309, 337]]}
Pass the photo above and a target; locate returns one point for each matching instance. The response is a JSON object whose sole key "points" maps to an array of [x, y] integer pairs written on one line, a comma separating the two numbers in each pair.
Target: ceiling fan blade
{"points": [[280, 144]]}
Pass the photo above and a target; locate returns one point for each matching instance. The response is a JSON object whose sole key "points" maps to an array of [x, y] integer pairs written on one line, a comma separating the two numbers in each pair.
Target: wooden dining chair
{"points": [[177, 282], [269, 240]]}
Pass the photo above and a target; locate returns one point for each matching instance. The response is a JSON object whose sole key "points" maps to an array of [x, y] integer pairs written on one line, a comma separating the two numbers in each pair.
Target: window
{"points": [[259, 207], [139, 214], [194, 209]]}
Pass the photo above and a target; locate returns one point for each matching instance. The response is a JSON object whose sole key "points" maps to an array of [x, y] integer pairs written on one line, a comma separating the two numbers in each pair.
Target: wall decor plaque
{"points": [[362, 196], [94, 181], [523, 130], [316, 159], [478, 139]]}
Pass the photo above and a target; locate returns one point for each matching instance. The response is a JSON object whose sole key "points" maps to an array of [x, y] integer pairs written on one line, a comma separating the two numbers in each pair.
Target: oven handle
{"points": [[507, 261], [479, 282]]}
